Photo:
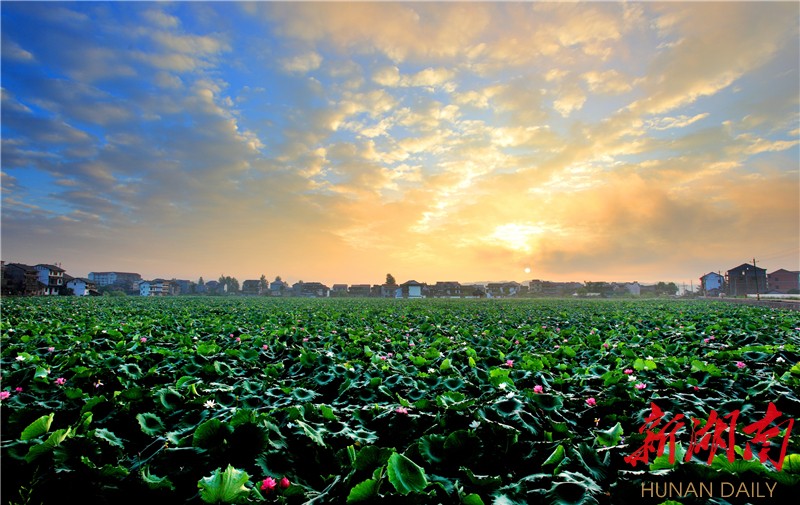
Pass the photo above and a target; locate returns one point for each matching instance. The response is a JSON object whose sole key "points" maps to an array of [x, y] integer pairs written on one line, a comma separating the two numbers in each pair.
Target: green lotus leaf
{"points": [[155, 482], [405, 475], [225, 487], [38, 427], [109, 437], [210, 434], [150, 423], [363, 491], [611, 436]]}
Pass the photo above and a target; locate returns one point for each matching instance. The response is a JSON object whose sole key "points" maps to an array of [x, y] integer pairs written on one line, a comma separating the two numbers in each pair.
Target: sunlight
{"points": [[516, 236]]}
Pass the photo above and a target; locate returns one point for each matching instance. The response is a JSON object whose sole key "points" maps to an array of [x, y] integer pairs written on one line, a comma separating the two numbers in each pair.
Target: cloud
{"points": [[665, 123], [303, 63], [434, 140], [610, 82], [13, 51]]}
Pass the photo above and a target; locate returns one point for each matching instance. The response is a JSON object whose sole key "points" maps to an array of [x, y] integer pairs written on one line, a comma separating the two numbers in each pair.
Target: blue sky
{"points": [[437, 141]]}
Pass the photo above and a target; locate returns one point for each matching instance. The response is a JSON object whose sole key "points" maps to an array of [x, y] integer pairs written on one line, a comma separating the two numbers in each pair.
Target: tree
{"points": [[263, 284], [200, 282], [390, 280]]}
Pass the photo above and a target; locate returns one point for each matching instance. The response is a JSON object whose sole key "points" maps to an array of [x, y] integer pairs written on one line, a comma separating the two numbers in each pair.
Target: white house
{"points": [[411, 289], [80, 286], [144, 288], [157, 287]]}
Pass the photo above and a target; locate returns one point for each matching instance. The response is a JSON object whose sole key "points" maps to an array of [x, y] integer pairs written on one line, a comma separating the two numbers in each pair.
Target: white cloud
{"points": [[665, 123], [303, 63]]}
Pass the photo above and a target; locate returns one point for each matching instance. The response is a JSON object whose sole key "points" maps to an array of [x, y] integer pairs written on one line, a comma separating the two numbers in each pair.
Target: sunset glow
{"points": [[336, 142]]}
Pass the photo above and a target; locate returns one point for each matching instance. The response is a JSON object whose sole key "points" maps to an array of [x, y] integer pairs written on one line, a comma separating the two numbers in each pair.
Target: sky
{"points": [[436, 141]]}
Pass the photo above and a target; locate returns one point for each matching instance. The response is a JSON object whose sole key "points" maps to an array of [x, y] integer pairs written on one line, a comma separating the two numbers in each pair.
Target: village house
{"points": [[411, 289], [20, 279], [712, 284], [157, 287], [339, 290], [52, 277], [361, 290], [310, 289], [124, 280], [746, 279], [252, 287], [80, 286], [502, 289], [784, 281], [278, 287], [446, 289]]}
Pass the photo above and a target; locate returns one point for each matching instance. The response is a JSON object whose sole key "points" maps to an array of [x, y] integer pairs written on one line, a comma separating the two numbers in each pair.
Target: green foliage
{"points": [[333, 395], [224, 487], [405, 475]]}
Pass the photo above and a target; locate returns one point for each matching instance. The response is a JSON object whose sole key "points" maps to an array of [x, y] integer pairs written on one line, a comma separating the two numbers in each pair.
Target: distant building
{"points": [[502, 289], [125, 280], [538, 287], [310, 289], [446, 289], [473, 290], [277, 287], [81, 286], [339, 290], [712, 284], [634, 288], [784, 281], [251, 287], [411, 289], [21, 280], [52, 277], [359, 290], [213, 287], [746, 280], [157, 287]]}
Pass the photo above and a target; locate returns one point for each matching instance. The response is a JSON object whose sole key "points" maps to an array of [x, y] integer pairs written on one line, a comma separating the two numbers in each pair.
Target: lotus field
{"points": [[256, 400]]}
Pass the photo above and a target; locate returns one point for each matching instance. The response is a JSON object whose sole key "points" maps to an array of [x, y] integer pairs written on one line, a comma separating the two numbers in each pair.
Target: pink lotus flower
{"points": [[628, 371], [516, 342], [305, 339], [383, 358], [509, 363], [268, 484], [740, 364], [401, 410], [18, 389], [605, 345], [265, 347], [591, 402], [640, 385], [143, 340], [411, 344], [538, 389], [51, 349], [61, 381], [705, 340], [4, 395], [284, 483]]}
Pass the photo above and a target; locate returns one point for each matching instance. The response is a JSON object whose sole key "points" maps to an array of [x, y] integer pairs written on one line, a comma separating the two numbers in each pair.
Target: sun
{"points": [[527, 270]]}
